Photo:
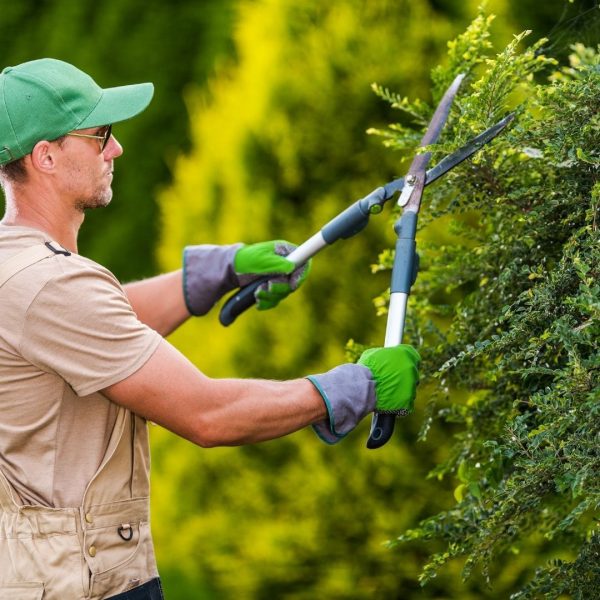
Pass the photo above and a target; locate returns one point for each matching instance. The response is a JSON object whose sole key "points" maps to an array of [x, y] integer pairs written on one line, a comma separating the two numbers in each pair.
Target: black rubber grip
{"points": [[382, 428], [242, 300]]}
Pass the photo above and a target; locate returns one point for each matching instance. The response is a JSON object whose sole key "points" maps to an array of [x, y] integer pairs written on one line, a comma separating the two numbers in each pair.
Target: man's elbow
{"points": [[208, 433]]}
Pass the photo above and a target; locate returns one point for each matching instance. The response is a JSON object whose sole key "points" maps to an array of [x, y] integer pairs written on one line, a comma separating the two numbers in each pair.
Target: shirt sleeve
{"points": [[82, 328]]}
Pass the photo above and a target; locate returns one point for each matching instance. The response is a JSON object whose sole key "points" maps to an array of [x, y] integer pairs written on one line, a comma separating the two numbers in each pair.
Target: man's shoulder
{"points": [[61, 270], [73, 275]]}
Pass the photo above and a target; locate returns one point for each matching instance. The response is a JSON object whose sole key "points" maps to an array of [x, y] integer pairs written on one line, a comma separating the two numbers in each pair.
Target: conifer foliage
{"points": [[506, 313]]}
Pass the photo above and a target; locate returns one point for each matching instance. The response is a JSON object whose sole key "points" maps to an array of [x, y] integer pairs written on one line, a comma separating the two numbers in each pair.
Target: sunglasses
{"points": [[103, 135]]}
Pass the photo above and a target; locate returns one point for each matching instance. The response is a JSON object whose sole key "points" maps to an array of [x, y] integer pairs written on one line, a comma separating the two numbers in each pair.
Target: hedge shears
{"points": [[406, 260]]}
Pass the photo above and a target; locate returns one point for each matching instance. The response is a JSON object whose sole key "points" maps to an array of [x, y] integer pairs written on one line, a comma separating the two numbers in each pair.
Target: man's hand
{"points": [[396, 375], [268, 258], [209, 271], [384, 380]]}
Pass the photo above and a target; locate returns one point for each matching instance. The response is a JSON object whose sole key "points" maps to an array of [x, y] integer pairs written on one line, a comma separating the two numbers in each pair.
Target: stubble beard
{"points": [[100, 198]]}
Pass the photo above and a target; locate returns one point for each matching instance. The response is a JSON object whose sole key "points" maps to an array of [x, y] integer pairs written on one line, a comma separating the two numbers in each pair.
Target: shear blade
{"points": [[454, 159]]}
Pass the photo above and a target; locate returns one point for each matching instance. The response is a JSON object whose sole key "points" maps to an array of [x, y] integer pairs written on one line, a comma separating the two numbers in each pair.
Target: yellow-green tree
{"points": [[279, 147]]}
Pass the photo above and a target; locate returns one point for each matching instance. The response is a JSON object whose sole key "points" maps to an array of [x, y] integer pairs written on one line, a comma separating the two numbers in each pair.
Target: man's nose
{"points": [[113, 149]]}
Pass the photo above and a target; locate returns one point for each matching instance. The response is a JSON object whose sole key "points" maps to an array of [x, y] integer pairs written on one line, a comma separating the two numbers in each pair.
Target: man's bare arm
{"points": [[158, 301], [170, 391]]}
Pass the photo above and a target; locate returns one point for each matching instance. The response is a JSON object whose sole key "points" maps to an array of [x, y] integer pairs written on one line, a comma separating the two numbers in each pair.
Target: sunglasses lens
{"points": [[107, 135]]}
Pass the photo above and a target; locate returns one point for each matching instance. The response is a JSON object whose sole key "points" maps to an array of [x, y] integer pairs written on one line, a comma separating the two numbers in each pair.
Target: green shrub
{"points": [[506, 310]]}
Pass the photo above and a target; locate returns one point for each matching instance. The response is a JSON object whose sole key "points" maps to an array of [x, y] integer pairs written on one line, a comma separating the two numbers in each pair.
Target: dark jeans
{"points": [[151, 590]]}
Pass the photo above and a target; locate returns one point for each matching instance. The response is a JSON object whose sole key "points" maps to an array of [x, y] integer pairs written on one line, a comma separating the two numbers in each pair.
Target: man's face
{"points": [[88, 170]]}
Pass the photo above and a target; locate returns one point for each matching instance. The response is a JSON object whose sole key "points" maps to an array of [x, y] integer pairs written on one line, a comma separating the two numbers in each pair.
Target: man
{"points": [[83, 362]]}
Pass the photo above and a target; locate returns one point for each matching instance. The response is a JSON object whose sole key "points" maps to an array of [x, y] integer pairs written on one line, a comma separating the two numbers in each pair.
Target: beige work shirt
{"points": [[67, 330]]}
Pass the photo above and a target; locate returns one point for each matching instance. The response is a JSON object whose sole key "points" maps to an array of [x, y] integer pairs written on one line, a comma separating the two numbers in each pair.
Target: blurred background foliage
{"points": [[176, 45], [257, 130]]}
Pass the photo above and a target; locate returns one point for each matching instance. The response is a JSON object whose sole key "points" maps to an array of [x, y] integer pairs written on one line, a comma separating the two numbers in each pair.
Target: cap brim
{"points": [[119, 104]]}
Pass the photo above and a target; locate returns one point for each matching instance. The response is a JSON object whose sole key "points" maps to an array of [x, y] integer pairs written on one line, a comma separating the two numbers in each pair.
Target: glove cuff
{"points": [[207, 274], [349, 395]]}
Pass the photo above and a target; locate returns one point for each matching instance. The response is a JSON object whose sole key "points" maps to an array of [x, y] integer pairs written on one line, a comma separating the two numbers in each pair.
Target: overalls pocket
{"points": [[22, 591]]}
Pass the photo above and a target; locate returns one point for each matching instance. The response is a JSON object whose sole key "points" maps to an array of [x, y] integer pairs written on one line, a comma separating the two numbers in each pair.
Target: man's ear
{"points": [[43, 156]]}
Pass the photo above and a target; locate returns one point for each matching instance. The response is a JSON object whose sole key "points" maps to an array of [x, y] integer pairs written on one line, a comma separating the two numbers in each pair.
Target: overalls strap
{"points": [[23, 259]]}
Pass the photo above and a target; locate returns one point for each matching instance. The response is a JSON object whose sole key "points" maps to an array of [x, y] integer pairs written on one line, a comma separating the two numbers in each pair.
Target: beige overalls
{"points": [[100, 549]]}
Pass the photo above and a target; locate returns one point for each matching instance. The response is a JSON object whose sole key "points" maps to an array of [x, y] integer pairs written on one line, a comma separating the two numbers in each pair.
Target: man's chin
{"points": [[92, 203]]}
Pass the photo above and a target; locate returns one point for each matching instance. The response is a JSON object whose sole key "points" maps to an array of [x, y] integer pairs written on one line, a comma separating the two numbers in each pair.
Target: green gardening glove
{"points": [[268, 258], [396, 374]]}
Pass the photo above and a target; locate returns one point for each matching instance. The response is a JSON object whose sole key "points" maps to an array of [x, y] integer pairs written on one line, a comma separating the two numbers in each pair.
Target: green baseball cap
{"points": [[45, 99]]}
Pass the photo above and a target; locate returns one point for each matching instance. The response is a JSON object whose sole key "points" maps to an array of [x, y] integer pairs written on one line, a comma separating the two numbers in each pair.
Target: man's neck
{"points": [[62, 228]]}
